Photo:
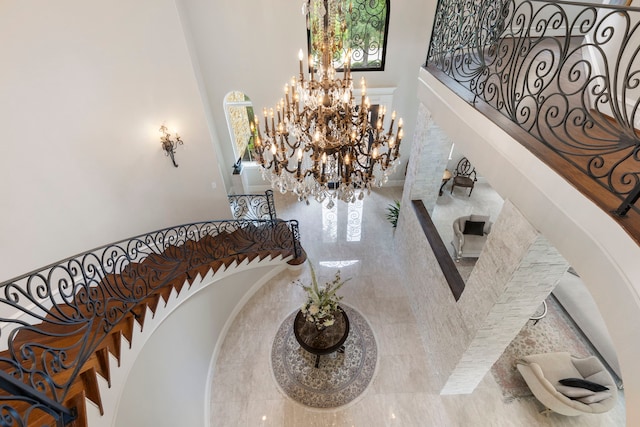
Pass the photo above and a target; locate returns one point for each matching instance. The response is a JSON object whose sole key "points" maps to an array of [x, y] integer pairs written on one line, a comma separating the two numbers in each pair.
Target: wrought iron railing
{"points": [[54, 318], [253, 206], [567, 73]]}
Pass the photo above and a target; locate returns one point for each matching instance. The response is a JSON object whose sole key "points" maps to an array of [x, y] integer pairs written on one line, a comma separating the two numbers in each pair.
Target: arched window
{"points": [[366, 33], [239, 111]]}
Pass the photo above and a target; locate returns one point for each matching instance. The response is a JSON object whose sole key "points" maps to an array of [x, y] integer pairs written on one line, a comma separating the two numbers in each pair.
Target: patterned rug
{"points": [[340, 378], [555, 332]]}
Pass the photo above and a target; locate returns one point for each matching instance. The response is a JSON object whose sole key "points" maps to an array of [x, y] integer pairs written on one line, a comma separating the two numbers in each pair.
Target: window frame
{"points": [[384, 44], [234, 145]]}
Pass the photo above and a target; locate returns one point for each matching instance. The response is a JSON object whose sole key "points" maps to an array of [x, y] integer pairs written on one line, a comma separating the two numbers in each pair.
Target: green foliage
{"points": [[362, 24], [393, 210], [369, 64], [364, 31]]}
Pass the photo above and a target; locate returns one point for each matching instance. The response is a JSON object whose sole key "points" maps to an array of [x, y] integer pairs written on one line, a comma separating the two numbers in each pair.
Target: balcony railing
{"points": [[567, 73], [253, 206], [53, 319]]}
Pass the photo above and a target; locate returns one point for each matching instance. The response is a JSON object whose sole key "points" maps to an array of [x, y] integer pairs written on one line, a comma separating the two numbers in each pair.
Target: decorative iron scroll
{"points": [[368, 25], [35, 410], [366, 35], [568, 73], [54, 318], [253, 206]]}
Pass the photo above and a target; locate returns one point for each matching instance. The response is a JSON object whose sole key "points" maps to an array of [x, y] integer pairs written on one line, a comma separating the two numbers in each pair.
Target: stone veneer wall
{"points": [[432, 302], [510, 238], [516, 271], [440, 323], [428, 159]]}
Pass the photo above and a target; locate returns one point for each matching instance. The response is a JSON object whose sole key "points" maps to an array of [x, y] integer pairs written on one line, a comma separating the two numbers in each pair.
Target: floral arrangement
{"points": [[322, 301]]}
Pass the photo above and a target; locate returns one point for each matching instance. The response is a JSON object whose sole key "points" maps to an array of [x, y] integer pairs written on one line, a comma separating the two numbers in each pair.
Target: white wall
{"points": [[253, 47], [84, 87], [169, 382]]}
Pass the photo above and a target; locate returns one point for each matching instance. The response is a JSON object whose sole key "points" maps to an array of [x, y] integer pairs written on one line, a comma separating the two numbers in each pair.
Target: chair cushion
{"points": [[602, 378], [574, 392], [481, 218], [473, 227], [463, 181], [473, 244], [554, 365], [579, 382], [595, 398], [474, 217]]}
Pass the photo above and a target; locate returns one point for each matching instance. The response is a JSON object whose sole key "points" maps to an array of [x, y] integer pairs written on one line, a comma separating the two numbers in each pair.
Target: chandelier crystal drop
{"points": [[319, 142]]}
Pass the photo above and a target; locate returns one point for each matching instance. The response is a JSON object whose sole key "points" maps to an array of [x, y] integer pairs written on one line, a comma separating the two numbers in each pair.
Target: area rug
{"points": [[340, 377], [555, 332]]}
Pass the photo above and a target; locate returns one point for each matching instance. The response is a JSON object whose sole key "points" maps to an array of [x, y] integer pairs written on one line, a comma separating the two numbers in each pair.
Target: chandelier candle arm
{"points": [[321, 143], [169, 145]]}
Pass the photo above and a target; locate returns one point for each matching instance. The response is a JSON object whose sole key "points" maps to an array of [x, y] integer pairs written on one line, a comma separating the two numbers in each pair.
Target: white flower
{"points": [[322, 301]]}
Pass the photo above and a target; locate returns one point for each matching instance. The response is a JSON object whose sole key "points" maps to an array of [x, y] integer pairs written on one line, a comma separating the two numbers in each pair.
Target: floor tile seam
{"points": [[384, 353], [235, 364], [381, 322], [256, 331]]}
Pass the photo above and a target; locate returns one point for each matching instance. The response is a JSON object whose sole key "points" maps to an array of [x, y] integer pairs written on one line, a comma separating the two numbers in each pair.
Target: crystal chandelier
{"points": [[319, 142]]}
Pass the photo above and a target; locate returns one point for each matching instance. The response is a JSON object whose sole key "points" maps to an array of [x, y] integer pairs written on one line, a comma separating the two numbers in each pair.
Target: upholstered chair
{"points": [[469, 235], [464, 176], [546, 373]]}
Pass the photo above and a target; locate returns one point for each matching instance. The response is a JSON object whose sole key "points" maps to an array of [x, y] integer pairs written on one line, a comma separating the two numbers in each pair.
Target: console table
{"points": [[321, 341]]}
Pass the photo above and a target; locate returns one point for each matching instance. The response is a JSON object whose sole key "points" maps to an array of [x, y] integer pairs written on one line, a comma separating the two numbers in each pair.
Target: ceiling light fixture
{"points": [[319, 142]]}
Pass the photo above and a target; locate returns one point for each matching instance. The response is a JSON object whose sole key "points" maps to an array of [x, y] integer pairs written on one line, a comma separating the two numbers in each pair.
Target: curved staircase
{"points": [[69, 317]]}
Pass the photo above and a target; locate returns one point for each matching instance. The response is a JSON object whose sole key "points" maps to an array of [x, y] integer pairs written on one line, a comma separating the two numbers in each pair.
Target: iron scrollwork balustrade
{"points": [[11, 417], [54, 318], [568, 73], [253, 206]]}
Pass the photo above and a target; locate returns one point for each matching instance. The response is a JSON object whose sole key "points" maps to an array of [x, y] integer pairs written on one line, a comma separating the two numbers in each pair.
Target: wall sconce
{"points": [[168, 145]]}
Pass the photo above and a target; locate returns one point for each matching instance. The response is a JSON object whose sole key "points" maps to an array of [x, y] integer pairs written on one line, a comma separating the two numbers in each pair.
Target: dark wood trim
{"points": [[447, 264]]}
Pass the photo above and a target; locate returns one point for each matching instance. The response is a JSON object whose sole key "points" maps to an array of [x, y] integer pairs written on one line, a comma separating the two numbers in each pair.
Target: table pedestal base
{"points": [[317, 364], [324, 341]]}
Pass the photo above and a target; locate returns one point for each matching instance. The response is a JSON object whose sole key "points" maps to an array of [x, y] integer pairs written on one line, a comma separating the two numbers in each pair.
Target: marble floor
{"points": [[357, 239], [483, 201]]}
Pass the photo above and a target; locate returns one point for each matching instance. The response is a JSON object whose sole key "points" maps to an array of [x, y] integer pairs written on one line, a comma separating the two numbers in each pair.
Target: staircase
{"points": [[68, 319]]}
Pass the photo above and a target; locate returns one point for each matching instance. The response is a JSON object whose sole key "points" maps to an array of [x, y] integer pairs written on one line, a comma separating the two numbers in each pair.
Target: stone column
{"points": [[516, 271], [427, 162]]}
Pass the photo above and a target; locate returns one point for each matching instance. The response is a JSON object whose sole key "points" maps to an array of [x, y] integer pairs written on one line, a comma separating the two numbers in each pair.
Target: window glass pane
{"points": [[367, 26], [239, 120], [239, 111], [236, 96]]}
